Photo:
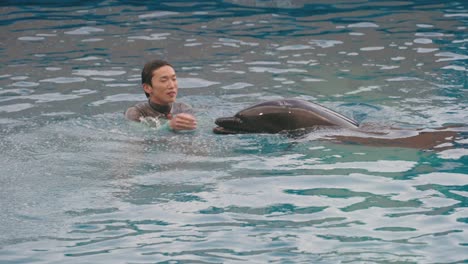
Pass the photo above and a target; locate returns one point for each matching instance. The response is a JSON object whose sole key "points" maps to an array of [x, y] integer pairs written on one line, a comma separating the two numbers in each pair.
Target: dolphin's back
{"points": [[294, 114]]}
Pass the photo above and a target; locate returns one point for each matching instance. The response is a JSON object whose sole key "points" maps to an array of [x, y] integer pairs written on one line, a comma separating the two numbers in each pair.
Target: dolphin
{"points": [[279, 116], [298, 117]]}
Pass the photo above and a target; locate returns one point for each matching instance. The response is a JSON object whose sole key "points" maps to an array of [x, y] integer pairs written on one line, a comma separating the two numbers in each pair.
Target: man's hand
{"points": [[183, 122]]}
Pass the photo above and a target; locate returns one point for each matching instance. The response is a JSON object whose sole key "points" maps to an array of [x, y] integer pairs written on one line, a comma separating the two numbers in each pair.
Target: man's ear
{"points": [[147, 88]]}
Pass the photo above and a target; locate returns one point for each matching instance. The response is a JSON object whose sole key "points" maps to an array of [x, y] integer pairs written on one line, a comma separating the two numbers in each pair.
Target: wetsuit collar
{"points": [[163, 109]]}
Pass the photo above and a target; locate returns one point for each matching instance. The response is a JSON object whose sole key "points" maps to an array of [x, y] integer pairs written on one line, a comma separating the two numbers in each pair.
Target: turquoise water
{"points": [[79, 184]]}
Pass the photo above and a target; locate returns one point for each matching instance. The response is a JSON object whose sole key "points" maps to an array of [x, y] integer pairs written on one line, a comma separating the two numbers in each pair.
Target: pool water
{"points": [[79, 184]]}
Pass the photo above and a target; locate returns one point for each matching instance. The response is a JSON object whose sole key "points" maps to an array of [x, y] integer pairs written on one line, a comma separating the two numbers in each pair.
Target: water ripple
{"points": [[80, 184]]}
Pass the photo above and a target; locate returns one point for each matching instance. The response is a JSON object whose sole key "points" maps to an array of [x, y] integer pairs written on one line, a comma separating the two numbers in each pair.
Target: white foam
{"points": [[372, 48], [444, 145], [455, 68], [403, 79], [423, 41], [187, 69], [194, 83], [313, 80], [450, 56], [64, 80], [228, 44], [441, 178], [154, 36], [461, 193], [25, 84], [363, 25], [274, 70], [15, 107], [460, 41], [28, 38], [84, 31], [92, 40], [238, 85], [372, 166], [15, 92], [88, 58], [157, 14], [228, 71], [294, 47], [193, 44], [424, 26], [264, 63], [84, 91], [425, 50], [120, 84], [429, 34], [19, 78], [457, 15], [57, 113], [124, 97], [317, 148], [437, 202], [53, 68], [4, 121], [52, 97], [365, 89], [398, 58], [46, 35], [388, 67], [102, 79], [98, 73], [226, 41], [302, 62], [325, 43], [453, 154]]}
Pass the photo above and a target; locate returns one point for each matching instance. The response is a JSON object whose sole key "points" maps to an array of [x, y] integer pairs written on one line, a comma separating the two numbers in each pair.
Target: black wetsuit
{"points": [[150, 109]]}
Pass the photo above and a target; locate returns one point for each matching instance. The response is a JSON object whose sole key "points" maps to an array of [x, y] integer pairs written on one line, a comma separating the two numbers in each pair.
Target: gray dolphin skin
{"points": [[282, 116], [297, 117]]}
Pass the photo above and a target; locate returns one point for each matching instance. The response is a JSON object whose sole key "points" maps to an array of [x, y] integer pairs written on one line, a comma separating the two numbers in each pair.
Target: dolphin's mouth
{"points": [[230, 125], [224, 131]]}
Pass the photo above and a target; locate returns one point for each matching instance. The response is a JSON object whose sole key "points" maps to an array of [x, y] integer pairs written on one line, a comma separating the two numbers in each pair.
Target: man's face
{"points": [[163, 89]]}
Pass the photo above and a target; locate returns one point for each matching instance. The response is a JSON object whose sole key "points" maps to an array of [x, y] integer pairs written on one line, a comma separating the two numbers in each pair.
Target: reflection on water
{"points": [[81, 185]]}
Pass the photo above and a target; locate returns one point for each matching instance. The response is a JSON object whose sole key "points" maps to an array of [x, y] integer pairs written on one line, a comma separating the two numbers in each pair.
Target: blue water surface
{"points": [[80, 184]]}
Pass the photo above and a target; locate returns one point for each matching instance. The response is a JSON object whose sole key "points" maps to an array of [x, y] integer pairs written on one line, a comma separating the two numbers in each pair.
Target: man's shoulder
{"points": [[137, 111], [132, 113]]}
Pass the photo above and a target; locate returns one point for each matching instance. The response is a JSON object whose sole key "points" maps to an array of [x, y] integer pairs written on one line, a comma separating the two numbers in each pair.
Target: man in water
{"points": [[160, 86]]}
